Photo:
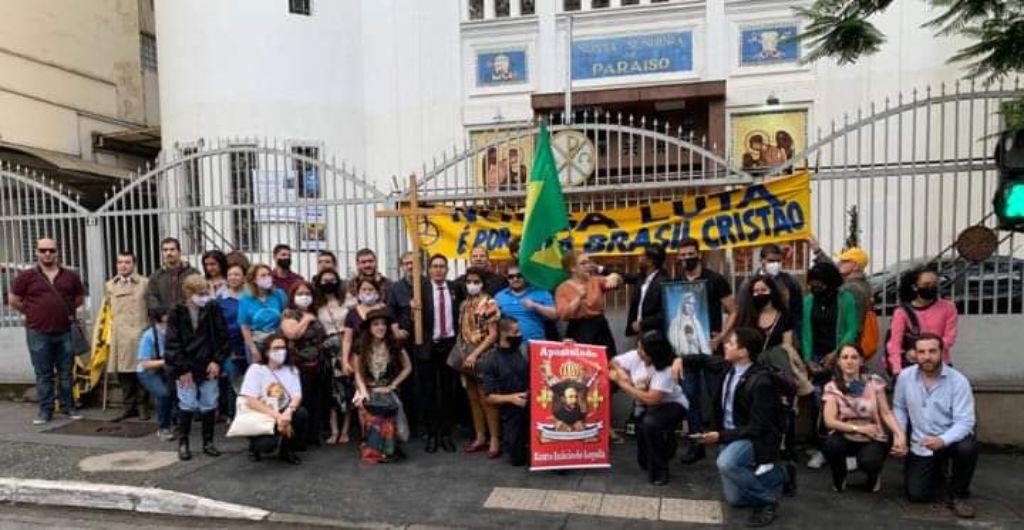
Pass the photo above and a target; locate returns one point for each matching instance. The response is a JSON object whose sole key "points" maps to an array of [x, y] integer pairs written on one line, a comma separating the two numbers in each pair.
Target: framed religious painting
{"points": [[504, 162], [763, 140], [771, 44], [687, 324]]}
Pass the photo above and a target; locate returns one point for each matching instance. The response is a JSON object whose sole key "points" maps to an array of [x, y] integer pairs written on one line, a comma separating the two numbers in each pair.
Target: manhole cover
{"points": [[124, 429], [128, 461]]}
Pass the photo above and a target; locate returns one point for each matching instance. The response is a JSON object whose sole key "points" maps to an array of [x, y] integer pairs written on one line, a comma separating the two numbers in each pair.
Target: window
{"points": [[630, 2], [300, 7], [571, 5], [599, 4], [502, 8], [658, 1], [147, 51], [526, 7], [244, 230], [307, 173], [476, 9]]}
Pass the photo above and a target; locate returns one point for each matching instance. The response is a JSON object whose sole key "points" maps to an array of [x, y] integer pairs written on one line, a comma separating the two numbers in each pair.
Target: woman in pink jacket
{"points": [[920, 310]]}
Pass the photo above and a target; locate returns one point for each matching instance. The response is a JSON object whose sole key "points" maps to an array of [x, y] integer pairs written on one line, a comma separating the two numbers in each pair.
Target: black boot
{"points": [[184, 428], [209, 419]]}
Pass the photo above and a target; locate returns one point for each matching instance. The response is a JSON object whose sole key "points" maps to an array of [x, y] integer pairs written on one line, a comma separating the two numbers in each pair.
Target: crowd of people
{"points": [[292, 363]]}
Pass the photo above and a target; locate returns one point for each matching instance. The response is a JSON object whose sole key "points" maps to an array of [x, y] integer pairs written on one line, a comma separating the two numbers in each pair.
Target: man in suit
{"points": [[750, 431], [645, 307], [436, 380]]}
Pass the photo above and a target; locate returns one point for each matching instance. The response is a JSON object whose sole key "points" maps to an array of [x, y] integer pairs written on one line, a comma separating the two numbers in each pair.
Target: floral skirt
{"points": [[380, 437]]}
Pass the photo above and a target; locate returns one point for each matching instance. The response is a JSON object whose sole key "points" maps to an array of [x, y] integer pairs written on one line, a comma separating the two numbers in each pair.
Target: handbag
{"points": [[457, 356], [382, 404], [80, 345], [249, 422]]}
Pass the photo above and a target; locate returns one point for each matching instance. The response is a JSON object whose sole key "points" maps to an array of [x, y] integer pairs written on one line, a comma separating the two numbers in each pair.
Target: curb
{"points": [[124, 498], [163, 502]]}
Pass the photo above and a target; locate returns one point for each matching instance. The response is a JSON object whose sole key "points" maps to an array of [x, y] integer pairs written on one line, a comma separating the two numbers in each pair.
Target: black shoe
{"points": [[446, 444], [290, 457], [660, 479], [789, 485], [693, 454], [129, 413], [210, 450], [763, 515], [254, 456], [431, 444], [184, 453]]}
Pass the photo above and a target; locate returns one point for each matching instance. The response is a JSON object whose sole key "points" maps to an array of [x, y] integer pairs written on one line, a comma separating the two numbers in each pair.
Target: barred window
{"points": [[476, 9], [300, 7], [245, 231], [571, 5], [306, 172], [526, 7], [502, 8], [147, 51], [599, 4]]}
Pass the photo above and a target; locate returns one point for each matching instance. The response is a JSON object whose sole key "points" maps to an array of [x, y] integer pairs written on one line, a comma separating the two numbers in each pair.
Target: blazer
{"points": [[428, 313], [652, 314], [756, 412]]}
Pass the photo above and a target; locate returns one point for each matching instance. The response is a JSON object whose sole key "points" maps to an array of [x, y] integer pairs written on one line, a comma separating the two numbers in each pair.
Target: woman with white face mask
{"points": [[478, 333], [259, 309], [368, 293], [306, 335], [197, 347], [272, 386]]}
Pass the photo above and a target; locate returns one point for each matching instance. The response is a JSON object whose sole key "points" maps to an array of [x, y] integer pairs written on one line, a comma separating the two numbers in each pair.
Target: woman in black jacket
{"points": [[197, 346]]}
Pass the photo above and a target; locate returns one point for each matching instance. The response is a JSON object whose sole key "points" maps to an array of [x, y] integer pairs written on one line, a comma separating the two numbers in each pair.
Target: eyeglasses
{"points": [[515, 276], [46, 250]]}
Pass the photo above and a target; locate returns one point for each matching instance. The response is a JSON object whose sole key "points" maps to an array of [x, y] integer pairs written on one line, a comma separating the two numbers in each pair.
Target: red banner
{"points": [[570, 406]]}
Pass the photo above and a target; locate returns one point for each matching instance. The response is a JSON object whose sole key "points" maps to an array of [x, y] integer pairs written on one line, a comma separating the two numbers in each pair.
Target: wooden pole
{"points": [[417, 265]]}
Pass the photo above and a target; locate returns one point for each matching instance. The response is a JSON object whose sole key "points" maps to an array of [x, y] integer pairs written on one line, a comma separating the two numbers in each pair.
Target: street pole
{"points": [[568, 75]]}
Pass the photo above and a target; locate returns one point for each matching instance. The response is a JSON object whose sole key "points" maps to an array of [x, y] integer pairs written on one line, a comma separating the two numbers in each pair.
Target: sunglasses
{"points": [[515, 276], [46, 250]]}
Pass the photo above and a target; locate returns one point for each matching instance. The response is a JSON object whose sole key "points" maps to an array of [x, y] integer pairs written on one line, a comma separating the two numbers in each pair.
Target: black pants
{"points": [[275, 442], [437, 389], [315, 393], [925, 475], [515, 433], [656, 439], [133, 394], [870, 457]]}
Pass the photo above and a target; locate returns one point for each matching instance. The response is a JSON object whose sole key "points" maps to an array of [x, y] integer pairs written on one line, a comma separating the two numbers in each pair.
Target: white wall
{"points": [[372, 81]]}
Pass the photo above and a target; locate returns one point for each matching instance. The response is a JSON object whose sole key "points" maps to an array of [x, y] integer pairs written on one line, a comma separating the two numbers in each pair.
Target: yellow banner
{"points": [[769, 212]]}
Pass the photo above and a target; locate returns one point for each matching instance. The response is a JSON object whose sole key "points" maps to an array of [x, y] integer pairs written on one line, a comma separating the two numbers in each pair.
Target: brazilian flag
{"points": [[540, 258]]}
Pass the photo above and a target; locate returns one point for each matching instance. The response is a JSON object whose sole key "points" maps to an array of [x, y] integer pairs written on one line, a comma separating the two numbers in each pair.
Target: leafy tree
{"points": [[841, 29]]}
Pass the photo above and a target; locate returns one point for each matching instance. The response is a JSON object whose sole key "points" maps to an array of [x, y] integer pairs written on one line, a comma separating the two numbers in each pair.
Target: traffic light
{"points": [[1009, 199]]}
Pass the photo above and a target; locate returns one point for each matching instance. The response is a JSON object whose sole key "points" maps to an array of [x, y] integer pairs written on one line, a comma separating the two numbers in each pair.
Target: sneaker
{"points": [[817, 460], [42, 419], [763, 515], [73, 415], [839, 488], [962, 509], [166, 435]]}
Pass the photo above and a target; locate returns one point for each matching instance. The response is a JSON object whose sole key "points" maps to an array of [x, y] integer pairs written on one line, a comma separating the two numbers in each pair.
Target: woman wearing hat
{"points": [[380, 365]]}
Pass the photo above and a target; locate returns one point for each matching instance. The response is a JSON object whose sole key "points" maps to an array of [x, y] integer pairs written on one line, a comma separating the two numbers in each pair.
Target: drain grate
{"points": [[123, 429]]}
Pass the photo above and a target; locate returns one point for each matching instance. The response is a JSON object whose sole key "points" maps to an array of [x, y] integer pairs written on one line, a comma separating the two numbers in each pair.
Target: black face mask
{"points": [[818, 289], [691, 263], [928, 293], [761, 300], [514, 342], [327, 288], [284, 264]]}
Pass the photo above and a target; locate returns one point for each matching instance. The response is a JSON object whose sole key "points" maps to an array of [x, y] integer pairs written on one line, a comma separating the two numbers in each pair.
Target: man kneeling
{"points": [[506, 379], [750, 430]]}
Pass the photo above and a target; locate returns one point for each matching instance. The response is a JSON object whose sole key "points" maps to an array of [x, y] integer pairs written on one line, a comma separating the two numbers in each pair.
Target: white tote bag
{"points": [[249, 422]]}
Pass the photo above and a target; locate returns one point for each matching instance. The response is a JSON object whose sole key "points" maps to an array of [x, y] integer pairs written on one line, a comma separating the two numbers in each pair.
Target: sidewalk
{"points": [[453, 490]]}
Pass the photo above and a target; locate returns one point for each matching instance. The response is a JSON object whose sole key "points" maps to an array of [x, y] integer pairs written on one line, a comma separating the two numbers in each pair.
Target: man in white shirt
{"points": [[436, 380]]}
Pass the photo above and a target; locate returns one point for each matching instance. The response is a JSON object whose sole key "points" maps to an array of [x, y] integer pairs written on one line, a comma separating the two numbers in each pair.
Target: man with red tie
{"points": [[437, 382]]}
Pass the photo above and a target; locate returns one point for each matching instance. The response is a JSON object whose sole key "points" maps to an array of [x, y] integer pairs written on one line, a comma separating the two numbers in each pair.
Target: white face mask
{"points": [[473, 288], [200, 299], [303, 301], [368, 299], [772, 268], [265, 282], [278, 355]]}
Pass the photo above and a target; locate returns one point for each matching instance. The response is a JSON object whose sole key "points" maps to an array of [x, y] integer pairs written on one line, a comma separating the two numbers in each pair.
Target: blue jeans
{"points": [[200, 397], [741, 487], [49, 352], [156, 383], [692, 388]]}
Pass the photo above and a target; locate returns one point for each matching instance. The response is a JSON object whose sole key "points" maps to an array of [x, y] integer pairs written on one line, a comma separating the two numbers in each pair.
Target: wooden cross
{"points": [[413, 214]]}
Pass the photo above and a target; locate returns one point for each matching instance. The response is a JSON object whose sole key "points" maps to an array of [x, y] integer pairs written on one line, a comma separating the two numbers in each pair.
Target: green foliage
{"points": [[853, 232], [841, 30]]}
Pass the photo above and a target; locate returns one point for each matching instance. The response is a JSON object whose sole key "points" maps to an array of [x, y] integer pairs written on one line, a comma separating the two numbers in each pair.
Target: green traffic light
{"points": [[1013, 207]]}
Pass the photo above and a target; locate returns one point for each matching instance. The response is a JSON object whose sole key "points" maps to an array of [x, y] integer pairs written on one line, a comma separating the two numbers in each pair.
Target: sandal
{"points": [[333, 439], [474, 447]]}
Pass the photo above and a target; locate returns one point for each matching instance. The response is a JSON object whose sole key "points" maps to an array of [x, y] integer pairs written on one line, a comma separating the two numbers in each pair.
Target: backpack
{"points": [[869, 334], [910, 336], [778, 367]]}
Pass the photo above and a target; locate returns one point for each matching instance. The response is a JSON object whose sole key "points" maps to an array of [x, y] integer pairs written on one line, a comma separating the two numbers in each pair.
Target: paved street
{"points": [[471, 492]]}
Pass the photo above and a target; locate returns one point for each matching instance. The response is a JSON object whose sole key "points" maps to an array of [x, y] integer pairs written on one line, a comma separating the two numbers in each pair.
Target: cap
{"points": [[856, 255]]}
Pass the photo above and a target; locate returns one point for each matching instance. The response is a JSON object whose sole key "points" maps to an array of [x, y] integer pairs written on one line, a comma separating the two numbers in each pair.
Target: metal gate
{"points": [[226, 195], [918, 169]]}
